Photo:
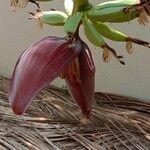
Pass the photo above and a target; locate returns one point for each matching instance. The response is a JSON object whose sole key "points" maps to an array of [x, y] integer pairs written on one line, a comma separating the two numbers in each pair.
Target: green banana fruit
{"points": [[91, 33], [115, 35], [112, 14], [96, 39], [116, 3], [73, 22], [109, 32], [55, 18]]}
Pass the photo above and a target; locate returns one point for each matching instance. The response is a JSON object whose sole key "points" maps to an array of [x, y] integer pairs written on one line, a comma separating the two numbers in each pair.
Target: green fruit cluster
{"points": [[94, 17]]}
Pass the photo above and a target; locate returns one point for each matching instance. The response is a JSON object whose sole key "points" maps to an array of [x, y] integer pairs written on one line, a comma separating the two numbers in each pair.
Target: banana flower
{"points": [[48, 59]]}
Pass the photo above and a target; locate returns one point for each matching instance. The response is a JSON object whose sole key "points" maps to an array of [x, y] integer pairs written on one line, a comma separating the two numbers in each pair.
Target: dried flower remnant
{"points": [[129, 47], [22, 3], [143, 17], [106, 55], [130, 40], [18, 3], [13, 5], [107, 51]]}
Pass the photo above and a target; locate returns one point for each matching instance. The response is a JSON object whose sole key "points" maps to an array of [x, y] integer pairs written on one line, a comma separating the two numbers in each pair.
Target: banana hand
{"points": [[96, 39], [121, 11], [112, 14], [115, 35]]}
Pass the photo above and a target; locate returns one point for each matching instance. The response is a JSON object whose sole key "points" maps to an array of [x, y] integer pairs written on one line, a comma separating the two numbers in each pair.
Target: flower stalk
{"points": [[80, 5]]}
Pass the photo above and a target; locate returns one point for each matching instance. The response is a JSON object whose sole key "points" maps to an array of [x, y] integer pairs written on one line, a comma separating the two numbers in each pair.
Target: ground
{"points": [[53, 121]]}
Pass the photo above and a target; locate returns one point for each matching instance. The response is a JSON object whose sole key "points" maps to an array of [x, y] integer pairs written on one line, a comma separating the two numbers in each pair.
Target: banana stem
{"points": [[80, 5]]}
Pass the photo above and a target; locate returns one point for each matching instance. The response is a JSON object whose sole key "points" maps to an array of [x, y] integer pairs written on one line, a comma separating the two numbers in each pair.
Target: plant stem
{"points": [[80, 5]]}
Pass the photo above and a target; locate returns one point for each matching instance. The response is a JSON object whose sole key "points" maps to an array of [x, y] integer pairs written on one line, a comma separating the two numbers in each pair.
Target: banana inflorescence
{"points": [[70, 57]]}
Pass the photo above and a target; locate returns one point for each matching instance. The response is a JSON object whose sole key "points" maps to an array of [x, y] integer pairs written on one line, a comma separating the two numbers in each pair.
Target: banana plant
{"points": [[70, 57]]}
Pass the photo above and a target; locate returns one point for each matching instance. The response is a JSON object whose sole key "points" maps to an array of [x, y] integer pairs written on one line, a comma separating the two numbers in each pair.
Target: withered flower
{"points": [[22, 3]]}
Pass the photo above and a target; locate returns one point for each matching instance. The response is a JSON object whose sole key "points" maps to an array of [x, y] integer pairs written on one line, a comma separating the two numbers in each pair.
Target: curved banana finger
{"points": [[116, 3], [121, 11], [91, 33], [112, 14], [96, 39], [109, 32], [54, 18], [115, 35]]}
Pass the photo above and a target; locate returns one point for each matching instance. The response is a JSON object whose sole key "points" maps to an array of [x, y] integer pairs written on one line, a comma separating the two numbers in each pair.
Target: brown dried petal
{"points": [[106, 55], [37, 16], [129, 47], [143, 17]]}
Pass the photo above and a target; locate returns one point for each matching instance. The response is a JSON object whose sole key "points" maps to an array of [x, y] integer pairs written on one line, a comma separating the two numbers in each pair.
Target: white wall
{"points": [[133, 79]]}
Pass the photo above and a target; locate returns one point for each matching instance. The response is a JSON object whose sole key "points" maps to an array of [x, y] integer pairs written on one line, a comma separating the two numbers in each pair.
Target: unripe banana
{"points": [[115, 35], [68, 4], [91, 33], [109, 32], [116, 3], [56, 18], [73, 22], [96, 39], [112, 14]]}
